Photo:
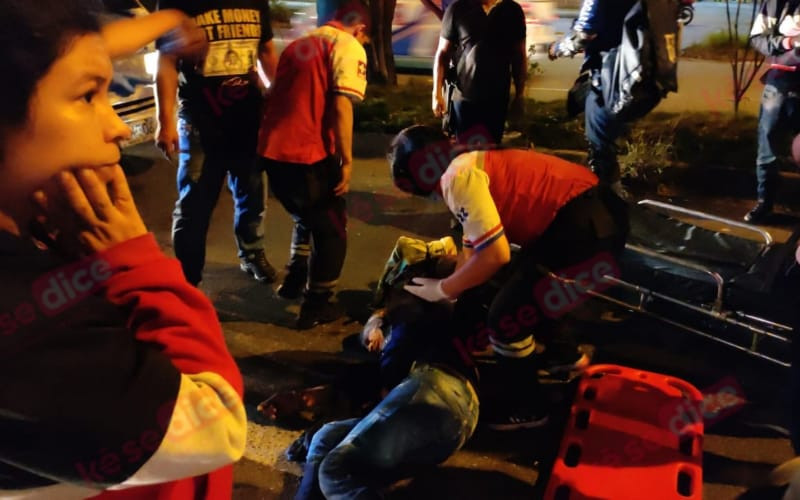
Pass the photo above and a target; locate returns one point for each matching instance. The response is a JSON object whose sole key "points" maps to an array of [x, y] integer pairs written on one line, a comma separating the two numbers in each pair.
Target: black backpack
{"points": [[643, 69]]}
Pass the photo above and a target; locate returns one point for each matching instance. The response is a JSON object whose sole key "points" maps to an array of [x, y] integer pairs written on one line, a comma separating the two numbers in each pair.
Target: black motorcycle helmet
{"points": [[418, 156]]}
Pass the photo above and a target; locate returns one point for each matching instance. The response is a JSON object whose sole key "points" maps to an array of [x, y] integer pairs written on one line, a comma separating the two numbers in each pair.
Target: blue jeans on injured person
{"points": [[779, 112], [422, 421], [202, 169]]}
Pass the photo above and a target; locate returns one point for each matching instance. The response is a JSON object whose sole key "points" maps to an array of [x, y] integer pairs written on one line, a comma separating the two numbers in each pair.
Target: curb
{"points": [[371, 144], [264, 471], [731, 182]]}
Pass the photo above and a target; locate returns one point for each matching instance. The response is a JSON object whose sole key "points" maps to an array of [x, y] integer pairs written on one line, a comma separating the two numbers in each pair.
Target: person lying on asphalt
{"points": [[429, 409]]}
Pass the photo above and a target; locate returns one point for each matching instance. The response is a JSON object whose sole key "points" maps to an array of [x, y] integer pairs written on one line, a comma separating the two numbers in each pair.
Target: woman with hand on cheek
{"points": [[116, 381]]}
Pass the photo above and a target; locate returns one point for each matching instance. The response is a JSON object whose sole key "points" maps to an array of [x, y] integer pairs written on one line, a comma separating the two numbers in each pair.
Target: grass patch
{"points": [[548, 126], [702, 139], [646, 155], [653, 143], [715, 46], [389, 110]]}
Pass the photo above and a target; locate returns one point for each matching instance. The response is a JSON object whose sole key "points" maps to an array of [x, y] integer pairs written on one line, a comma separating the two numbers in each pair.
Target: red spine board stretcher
{"points": [[631, 435]]}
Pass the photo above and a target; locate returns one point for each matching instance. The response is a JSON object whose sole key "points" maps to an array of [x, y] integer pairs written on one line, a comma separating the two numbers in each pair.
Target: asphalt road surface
{"points": [[738, 450]]}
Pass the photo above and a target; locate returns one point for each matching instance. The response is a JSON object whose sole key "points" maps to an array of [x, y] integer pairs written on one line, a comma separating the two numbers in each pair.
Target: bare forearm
{"points": [[126, 36], [268, 58], [343, 128], [439, 66], [475, 268], [463, 257], [166, 88], [473, 272]]}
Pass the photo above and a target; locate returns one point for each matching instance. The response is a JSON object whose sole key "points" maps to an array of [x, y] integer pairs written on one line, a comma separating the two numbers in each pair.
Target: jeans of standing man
{"points": [[777, 108], [602, 131], [477, 120], [201, 174], [306, 192], [422, 421]]}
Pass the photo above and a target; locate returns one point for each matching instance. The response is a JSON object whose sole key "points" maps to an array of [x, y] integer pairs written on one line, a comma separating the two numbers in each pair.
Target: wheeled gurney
{"points": [[711, 276]]}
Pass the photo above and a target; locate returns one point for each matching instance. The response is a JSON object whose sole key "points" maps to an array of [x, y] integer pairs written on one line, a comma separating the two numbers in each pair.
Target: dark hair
{"points": [[351, 13], [33, 35], [414, 165]]}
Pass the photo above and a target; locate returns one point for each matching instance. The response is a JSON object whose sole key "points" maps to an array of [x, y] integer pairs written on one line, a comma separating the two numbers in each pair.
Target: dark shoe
{"points": [[257, 265], [605, 166], [760, 212], [315, 311], [620, 191], [294, 283], [518, 420], [561, 358]]}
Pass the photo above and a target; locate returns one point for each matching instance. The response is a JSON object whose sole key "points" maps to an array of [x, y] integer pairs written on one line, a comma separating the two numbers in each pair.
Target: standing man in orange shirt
{"points": [[306, 145], [564, 222]]}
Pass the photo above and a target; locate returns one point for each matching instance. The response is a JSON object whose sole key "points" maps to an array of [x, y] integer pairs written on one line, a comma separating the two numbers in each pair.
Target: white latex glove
{"points": [[428, 289]]}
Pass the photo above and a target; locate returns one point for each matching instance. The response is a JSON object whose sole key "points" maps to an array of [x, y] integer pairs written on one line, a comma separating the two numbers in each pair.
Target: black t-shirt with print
{"points": [[484, 44], [219, 96]]}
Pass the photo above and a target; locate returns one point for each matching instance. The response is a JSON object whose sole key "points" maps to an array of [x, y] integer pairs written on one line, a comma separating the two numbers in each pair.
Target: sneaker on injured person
{"points": [[528, 418]]}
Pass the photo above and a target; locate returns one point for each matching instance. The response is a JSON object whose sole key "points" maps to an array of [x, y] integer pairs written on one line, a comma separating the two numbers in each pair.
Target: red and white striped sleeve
{"points": [[465, 189]]}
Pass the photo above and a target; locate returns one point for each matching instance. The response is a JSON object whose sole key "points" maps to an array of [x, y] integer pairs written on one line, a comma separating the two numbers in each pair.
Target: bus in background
{"points": [[415, 30]]}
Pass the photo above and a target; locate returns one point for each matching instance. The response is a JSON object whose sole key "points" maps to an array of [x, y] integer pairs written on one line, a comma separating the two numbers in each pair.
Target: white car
{"points": [[132, 87], [415, 30]]}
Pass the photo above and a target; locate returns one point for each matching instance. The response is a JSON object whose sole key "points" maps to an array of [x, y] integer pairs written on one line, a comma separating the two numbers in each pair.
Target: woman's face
{"points": [[70, 124]]}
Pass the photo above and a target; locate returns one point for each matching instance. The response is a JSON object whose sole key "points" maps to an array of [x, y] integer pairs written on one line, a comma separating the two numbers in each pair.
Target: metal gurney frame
{"points": [[757, 327]]}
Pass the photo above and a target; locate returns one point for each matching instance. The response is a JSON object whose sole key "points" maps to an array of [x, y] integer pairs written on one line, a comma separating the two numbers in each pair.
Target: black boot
{"points": [[604, 165], [317, 309], [294, 283], [519, 402], [759, 213], [257, 265]]}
